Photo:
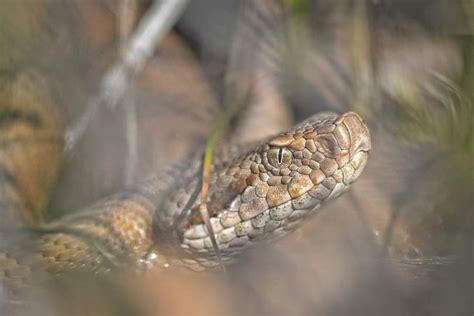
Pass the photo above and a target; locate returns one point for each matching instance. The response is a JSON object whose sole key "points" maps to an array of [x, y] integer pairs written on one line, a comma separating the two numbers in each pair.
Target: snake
{"points": [[258, 193]]}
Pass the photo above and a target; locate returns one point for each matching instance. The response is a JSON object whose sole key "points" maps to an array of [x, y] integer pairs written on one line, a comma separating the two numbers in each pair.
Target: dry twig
{"points": [[126, 20], [154, 25]]}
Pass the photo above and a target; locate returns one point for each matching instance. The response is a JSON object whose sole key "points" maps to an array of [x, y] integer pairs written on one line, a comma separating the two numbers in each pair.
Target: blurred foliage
{"points": [[362, 60], [469, 11], [445, 121], [18, 32], [299, 8]]}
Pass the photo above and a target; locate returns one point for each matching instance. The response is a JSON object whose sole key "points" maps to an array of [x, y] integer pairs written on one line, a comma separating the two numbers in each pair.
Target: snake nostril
{"points": [[328, 145], [343, 137], [358, 133]]}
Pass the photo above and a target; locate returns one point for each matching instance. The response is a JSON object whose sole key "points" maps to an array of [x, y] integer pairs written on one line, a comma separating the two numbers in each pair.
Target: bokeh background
{"points": [[401, 242]]}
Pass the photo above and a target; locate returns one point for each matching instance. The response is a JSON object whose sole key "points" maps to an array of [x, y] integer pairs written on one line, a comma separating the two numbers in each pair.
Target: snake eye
{"points": [[280, 157]]}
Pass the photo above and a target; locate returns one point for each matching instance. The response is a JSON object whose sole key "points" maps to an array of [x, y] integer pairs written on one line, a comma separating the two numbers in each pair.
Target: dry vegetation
{"points": [[399, 243]]}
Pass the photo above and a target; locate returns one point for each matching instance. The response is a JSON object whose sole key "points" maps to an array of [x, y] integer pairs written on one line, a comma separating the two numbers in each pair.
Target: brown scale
{"points": [[30, 143], [119, 235]]}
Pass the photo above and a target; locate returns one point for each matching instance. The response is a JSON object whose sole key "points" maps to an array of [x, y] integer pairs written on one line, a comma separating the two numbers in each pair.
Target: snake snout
{"points": [[359, 135]]}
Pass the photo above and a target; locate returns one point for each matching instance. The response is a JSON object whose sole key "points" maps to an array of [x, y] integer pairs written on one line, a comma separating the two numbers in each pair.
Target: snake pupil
{"points": [[280, 155]]}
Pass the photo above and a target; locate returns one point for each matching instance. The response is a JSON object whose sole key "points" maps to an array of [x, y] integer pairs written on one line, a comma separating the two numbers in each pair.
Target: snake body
{"points": [[258, 192]]}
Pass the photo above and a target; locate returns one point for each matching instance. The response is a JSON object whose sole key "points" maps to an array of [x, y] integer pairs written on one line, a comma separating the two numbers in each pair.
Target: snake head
{"points": [[269, 190]]}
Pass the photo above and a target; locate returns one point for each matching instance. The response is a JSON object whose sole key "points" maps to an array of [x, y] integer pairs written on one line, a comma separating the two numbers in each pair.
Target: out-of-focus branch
{"points": [[154, 25], [151, 30], [126, 20]]}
